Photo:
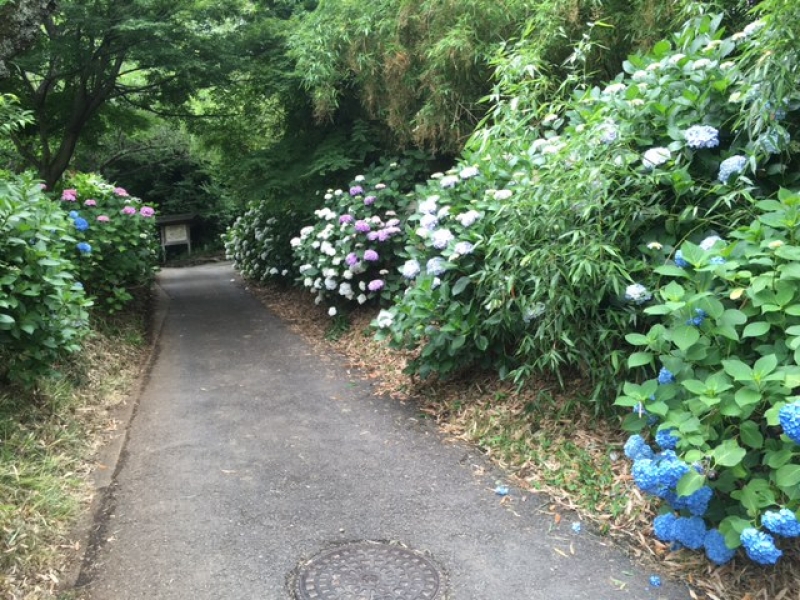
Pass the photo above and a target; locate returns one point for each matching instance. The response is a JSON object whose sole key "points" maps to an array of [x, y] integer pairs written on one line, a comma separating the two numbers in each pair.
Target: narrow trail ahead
{"points": [[250, 454]]}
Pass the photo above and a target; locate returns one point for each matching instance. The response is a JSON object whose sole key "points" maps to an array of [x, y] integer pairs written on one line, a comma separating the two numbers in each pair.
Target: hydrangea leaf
{"points": [[738, 370], [729, 453], [787, 476], [750, 435], [638, 359], [756, 329], [685, 336], [690, 483]]}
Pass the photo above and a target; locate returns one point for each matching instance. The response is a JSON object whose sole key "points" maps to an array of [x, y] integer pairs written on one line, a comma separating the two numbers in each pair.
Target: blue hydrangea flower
{"points": [[698, 318], [83, 247], [81, 224], [760, 546], [73, 214], [731, 166], [666, 439], [701, 136], [645, 475], [696, 502], [670, 469], [679, 260], [664, 527], [690, 531], [716, 260], [636, 448], [655, 581], [782, 522], [642, 412], [716, 549], [665, 376], [789, 417]]}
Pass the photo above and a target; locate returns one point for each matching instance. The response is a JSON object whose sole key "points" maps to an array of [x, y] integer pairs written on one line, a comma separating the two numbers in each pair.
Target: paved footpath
{"points": [[249, 454]]}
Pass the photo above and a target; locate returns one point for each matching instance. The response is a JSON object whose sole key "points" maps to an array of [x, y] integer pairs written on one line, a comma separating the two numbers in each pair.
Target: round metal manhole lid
{"points": [[369, 571]]}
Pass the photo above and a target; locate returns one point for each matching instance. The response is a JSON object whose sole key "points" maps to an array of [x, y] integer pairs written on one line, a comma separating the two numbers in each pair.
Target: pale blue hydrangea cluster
{"points": [[731, 166], [697, 318], [637, 293], [666, 439], [781, 522], [760, 547], [679, 260], [701, 136], [636, 448], [665, 376]]}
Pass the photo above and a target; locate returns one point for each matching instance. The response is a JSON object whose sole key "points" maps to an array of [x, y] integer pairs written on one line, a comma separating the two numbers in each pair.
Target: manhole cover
{"points": [[368, 571]]}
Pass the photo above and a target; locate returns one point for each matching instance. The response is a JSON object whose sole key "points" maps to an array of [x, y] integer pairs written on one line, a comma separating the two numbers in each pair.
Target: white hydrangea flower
{"points": [[361, 298], [468, 218], [332, 311], [655, 157], [448, 181], [437, 175], [637, 293], [295, 242], [468, 172], [709, 242], [503, 195], [359, 178], [384, 319]]}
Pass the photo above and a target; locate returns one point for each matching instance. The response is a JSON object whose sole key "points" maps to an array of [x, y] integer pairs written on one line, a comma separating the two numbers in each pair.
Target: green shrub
{"points": [[43, 308], [352, 253], [585, 184], [116, 234], [728, 348]]}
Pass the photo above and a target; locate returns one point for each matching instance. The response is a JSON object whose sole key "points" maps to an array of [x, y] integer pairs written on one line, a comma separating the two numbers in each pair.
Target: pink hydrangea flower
{"points": [[128, 210], [146, 211], [70, 195], [375, 285], [121, 192], [103, 218], [90, 202]]}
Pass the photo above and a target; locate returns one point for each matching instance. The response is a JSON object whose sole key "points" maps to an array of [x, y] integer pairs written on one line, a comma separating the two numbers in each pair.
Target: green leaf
{"points": [[671, 271], [747, 397], [460, 285], [690, 483], [729, 453], [750, 435], [790, 271], [787, 476], [685, 336], [695, 386], [637, 359], [755, 329], [738, 370], [637, 339]]}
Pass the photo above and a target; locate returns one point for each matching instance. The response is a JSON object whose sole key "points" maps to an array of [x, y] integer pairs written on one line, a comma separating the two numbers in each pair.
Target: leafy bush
{"points": [[116, 249], [352, 252], [584, 184], [724, 406], [259, 242], [43, 309]]}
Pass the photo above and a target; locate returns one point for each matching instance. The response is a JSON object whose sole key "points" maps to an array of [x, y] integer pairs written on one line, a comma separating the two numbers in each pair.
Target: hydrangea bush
{"points": [[721, 405], [352, 253], [115, 233], [258, 243], [43, 307], [569, 198]]}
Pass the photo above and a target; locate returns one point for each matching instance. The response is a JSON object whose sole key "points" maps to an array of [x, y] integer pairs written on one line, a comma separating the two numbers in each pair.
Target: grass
{"points": [[47, 438]]}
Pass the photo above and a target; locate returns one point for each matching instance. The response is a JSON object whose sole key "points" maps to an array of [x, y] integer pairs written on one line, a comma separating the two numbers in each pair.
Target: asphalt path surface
{"points": [[249, 454]]}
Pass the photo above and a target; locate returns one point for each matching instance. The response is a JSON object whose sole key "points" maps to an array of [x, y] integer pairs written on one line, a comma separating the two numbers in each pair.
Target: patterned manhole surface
{"points": [[369, 571]]}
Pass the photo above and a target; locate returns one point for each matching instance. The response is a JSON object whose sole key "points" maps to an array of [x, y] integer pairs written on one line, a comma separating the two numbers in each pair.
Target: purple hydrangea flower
{"points": [[351, 259], [369, 200], [375, 285], [356, 190], [362, 226], [370, 255], [346, 219]]}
